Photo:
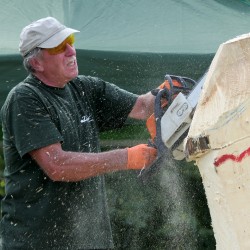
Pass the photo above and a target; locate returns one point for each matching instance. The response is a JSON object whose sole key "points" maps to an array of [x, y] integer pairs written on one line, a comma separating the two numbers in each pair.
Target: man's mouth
{"points": [[71, 62]]}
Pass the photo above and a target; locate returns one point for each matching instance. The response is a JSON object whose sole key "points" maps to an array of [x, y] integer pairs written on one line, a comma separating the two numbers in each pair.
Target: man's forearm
{"points": [[62, 165]]}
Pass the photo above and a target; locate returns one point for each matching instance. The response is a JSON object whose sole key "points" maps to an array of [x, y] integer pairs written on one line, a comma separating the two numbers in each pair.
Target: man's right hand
{"points": [[140, 156]]}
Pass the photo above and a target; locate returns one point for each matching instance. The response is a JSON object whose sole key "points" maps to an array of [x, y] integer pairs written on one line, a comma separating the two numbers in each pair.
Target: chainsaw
{"points": [[175, 103]]}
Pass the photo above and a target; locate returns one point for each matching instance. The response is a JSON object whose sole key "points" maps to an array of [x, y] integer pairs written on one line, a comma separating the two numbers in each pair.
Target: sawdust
{"points": [[178, 208]]}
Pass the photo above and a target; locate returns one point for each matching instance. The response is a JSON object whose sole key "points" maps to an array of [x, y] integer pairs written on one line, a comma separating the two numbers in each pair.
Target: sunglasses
{"points": [[62, 46]]}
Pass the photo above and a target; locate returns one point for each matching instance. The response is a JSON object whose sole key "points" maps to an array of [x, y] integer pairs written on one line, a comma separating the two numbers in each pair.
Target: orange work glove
{"points": [[140, 156]]}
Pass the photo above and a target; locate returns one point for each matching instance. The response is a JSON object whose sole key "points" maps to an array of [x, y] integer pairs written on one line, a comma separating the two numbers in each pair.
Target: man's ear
{"points": [[36, 64]]}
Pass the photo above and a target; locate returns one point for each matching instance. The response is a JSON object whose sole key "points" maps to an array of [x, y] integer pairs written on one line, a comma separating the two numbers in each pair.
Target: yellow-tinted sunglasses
{"points": [[62, 46]]}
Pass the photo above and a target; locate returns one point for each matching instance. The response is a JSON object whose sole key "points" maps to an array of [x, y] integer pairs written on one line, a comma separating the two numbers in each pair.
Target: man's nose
{"points": [[70, 50]]}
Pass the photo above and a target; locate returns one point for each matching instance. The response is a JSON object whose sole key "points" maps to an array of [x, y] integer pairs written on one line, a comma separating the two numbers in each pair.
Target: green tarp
{"points": [[158, 26]]}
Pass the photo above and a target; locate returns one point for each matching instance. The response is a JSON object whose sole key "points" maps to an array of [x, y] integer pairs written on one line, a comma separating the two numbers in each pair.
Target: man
{"points": [[55, 191]]}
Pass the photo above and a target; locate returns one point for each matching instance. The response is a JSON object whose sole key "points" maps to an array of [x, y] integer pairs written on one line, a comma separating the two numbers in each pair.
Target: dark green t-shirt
{"points": [[38, 213]]}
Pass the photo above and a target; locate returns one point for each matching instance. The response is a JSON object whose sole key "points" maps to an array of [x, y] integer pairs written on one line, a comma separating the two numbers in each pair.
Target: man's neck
{"points": [[50, 82]]}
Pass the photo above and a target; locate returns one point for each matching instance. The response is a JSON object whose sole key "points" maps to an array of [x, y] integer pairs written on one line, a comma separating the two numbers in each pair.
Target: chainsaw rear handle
{"points": [[157, 142], [159, 112]]}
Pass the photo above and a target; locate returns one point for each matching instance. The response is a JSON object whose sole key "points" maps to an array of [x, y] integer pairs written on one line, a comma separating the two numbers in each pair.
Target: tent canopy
{"points": [[159, 26]]}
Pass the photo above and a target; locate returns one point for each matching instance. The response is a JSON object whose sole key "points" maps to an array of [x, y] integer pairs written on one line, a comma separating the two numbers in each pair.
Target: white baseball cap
{"points": [[43, 33]]}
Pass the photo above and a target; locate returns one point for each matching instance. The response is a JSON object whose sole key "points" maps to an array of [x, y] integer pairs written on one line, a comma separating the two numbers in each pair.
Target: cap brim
{"points": [[58, 38]]}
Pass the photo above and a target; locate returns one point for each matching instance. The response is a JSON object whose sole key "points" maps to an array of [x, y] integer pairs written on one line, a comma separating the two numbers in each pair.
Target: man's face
{"points": [[57, 69]]}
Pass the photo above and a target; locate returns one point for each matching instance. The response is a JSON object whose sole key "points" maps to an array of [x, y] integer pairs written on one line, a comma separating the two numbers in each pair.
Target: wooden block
{"points": [[219, 142]]}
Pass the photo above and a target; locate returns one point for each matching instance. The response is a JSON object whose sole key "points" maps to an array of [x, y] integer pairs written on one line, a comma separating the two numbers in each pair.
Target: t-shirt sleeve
{"points": [[30, 124], [112, 104]]}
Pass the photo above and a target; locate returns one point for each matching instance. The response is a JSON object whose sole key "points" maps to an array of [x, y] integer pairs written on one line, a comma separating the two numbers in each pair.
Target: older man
{"points": [[55, 191]]}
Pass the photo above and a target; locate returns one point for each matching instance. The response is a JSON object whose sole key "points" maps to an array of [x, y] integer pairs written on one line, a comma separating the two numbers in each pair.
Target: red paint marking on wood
{"points": [[237, 158]]}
